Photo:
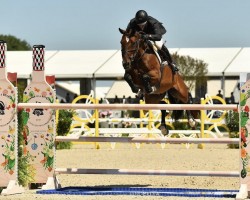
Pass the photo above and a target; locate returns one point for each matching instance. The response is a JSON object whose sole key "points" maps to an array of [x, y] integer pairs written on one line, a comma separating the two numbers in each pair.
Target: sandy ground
{"points": [[151, 156]]}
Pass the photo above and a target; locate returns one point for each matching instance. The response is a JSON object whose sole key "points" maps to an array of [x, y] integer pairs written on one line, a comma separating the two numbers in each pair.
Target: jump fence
{"points": [[39, 131]]}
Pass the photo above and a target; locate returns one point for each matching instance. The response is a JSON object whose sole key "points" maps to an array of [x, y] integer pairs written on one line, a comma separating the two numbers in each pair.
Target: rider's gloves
{"points": [[145, 36]]}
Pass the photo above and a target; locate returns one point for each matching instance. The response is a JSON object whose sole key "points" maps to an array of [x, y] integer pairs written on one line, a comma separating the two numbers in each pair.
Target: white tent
{"points": [[62, 64], [108, 63]]}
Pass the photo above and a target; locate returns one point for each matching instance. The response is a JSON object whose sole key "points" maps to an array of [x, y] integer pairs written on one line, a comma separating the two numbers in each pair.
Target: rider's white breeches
{"points": [[159, 44]]}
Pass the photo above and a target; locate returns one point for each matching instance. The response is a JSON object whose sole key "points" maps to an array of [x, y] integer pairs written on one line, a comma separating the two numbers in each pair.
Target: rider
{"points": [[153, 30]]}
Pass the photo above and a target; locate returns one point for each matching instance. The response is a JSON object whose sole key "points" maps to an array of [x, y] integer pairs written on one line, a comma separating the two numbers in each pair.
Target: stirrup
{"points": [[175, 69]]}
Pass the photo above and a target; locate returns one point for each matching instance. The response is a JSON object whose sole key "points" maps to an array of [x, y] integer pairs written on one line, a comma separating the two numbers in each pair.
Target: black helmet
{"points": [[141, 16]]}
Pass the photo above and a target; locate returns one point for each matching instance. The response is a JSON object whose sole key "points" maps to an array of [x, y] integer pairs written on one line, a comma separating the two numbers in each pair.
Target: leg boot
{"points": [[165, 54], [146, 82], [128, 78]]}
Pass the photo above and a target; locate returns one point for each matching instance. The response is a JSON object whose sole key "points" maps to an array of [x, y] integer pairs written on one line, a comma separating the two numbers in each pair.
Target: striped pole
{"points": [[148, 140], [147, 172]]}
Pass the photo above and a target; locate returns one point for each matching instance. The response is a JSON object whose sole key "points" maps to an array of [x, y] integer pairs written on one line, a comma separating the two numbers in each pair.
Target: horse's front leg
{"points": [[129, 80]]}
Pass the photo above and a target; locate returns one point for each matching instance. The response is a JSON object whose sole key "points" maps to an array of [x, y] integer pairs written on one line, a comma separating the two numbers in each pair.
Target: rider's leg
{"points": [[162, 49], [146, 82], [128, 78], [168, 58], [165, 54]]}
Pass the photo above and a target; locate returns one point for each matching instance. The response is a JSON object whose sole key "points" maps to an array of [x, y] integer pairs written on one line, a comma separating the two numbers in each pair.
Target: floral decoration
{"points": [[9, 152], [245, 95], [48, 152]]}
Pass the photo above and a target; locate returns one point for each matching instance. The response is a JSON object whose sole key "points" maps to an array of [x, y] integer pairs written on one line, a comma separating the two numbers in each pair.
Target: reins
{"points": [[136, 50]]}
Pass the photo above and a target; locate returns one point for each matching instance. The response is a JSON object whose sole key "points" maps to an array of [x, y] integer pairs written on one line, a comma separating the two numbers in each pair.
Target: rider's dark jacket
{"points": [[153, 28]]}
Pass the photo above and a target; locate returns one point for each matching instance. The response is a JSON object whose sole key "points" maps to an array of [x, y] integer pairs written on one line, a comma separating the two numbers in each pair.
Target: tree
{"points": [[15, 44], [193, 72]]}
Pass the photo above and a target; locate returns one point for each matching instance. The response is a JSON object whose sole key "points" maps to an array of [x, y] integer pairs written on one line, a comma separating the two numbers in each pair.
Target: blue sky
{"points": [[93, 24]]}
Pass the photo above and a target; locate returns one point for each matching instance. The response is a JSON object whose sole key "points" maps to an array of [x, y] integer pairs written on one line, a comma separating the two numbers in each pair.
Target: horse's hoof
{"points": [[192, 122], [164, 130]]}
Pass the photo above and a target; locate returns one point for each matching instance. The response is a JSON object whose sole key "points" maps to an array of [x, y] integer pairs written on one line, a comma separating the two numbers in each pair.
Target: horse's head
{"points": [[133, 47]]}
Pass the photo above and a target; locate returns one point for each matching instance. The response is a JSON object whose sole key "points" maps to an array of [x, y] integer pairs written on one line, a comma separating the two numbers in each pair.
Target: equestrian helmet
{"points": [[141, 16]]}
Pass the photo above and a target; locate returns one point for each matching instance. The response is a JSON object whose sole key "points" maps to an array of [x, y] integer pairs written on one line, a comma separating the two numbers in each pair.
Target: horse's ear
{"points": [[122, 31]]}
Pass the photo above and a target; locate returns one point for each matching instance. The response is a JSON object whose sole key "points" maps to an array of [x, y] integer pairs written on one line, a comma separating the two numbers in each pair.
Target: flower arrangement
{"points": [[244, 123], [48, 152], [105, 114], [9, 153]]}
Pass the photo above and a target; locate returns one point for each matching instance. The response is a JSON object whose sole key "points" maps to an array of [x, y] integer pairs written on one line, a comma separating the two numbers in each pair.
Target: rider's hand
{"points": [[145, 36]]}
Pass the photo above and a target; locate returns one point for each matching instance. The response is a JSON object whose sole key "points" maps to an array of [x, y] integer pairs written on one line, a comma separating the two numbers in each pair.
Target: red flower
{"points": [[50, 169], [242, 133], [19, 109], [246, 109]]}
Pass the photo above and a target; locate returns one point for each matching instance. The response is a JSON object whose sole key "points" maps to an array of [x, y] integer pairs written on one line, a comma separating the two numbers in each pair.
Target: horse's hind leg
{"points": [[163, 126], [190, 117], [181, 89], [157, 98]]}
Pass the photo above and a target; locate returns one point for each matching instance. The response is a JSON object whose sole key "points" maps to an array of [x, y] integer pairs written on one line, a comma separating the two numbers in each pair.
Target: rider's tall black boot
{"points": [[168, 58]]}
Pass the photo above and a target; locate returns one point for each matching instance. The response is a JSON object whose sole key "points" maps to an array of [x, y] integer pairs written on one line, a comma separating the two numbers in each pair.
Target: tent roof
{"points": [[77, 64], [241, 63], [218, 59], [62, 64]]}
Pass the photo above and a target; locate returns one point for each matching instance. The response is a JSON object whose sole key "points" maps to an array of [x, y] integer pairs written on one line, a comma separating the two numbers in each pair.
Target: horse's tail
{"points": [[176, 114]]}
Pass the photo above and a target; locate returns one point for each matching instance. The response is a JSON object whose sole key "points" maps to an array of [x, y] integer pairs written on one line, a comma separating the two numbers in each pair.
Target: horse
{"points": [[139, 58]]}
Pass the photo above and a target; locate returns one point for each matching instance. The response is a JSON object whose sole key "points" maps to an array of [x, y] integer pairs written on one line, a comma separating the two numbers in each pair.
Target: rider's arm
{"points": [[158, 31], [154, 37]]}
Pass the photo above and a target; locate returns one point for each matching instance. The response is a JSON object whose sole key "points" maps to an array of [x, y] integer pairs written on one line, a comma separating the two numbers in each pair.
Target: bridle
{"points": [[135, 56]]}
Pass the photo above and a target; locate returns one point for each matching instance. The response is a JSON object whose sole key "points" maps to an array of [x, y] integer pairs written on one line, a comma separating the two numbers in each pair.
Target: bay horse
{"points": [[139, 59]]}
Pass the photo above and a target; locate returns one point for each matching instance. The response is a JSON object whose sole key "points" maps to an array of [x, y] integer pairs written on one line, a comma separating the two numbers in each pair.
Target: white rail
{"points": [[148, 140], [130, 106]]}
